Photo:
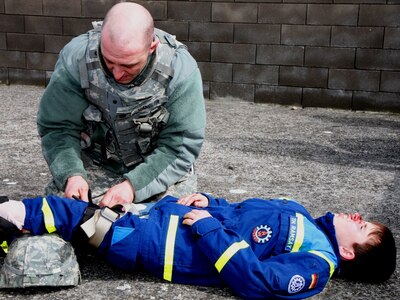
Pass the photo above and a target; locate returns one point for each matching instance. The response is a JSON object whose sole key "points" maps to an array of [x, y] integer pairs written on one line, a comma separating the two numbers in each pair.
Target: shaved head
{"points": [[128, 25]]}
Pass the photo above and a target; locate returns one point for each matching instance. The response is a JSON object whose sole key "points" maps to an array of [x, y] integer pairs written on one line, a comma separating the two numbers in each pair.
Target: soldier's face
{"points": [[125, 63]]}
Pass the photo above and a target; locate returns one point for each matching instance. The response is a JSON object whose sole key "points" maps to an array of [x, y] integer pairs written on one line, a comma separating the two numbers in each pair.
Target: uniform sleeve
{"points": [[59, 123], [286, 276], [179, 142]]}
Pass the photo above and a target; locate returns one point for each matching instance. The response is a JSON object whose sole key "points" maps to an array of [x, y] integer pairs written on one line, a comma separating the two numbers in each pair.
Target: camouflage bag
{"points": [[45, 260]]}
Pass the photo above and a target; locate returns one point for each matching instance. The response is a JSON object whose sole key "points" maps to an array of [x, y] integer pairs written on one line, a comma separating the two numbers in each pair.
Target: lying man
{"points": [[260, 249]]}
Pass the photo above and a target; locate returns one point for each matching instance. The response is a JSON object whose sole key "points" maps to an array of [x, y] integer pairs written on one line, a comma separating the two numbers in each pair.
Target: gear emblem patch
{"points": [[262, 234], [296, 284]]}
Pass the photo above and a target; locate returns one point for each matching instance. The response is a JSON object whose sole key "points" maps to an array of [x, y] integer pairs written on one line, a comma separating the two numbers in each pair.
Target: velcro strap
{"points": [[97, 226]]}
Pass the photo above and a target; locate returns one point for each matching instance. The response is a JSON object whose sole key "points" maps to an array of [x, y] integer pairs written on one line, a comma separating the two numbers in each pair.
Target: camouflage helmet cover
{"points": [[45, 260]]}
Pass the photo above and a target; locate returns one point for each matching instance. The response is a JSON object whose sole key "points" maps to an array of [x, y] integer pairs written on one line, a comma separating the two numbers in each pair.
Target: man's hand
{"points": [[119, 194], [193, 216], [78, 187], [197, 200]]}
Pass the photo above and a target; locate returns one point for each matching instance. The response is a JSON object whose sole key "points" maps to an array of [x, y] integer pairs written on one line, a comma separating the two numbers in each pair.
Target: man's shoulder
{"points": [[75, 50]]}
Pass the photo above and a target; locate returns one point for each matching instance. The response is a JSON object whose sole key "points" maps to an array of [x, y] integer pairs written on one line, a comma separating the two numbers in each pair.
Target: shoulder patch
{"points": [[296, 284]]}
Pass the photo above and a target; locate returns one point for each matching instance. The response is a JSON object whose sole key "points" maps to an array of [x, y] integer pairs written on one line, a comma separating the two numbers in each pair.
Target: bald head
{"points": [[128, 25]]}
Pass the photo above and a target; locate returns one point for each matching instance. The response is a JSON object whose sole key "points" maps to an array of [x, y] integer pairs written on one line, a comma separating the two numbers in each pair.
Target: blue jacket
{"points": [[260, 249]]}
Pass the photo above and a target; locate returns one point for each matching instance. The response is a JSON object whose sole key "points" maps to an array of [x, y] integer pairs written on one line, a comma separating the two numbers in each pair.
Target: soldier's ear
{"points": [[154, 44]]}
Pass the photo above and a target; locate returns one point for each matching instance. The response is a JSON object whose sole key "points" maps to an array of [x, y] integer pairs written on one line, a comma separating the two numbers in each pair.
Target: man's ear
{"points": [[154, 45], [346, 253]]}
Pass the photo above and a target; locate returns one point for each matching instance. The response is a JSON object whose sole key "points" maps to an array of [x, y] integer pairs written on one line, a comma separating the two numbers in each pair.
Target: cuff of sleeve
{"points": [[206, 225]]}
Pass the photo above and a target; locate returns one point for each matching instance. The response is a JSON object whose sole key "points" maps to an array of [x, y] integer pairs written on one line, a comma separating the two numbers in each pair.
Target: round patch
{"points": [[262, 234], [296, 284]]}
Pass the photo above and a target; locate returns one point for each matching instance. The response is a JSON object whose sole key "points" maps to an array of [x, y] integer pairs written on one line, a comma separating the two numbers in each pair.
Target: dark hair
{"points": [[374, 261]]}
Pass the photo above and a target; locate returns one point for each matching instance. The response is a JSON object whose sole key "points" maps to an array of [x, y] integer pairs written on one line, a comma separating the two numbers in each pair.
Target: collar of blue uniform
{"points": [[326, 224]]}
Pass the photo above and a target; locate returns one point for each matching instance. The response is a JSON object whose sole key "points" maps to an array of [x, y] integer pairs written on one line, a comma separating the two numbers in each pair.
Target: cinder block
{"points": [[41, 61], [23, 7], [1, 9], [74, 26], [257, 74], [206, 89], [49, 25], [376, 101], [3, 45], [282, 13], [195, 11], [379, 15], [200, 51], [96, 8], [178, 28], [257, 33], [390, 82], [232, 90], [334, 14], [330, 57], [12, 59], [216, 72], [392, 38], [362, 37], [327, 98], [4, 75], [282, 95], [23, 76], [235, 53], [158, 9], [378, 59], [303, 77], [211, 32], [11, 23], [25, 42], [234, 12], [306, 35], [346, 79], [54, 43], [280, 55], [70, 8]]}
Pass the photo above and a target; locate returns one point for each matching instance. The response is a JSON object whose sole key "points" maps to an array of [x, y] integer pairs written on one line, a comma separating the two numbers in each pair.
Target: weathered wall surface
{"points": [[328, 53]]}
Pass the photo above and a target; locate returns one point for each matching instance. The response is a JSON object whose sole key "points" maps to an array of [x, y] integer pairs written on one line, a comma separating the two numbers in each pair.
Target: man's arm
{"points": [[59, 117], [179, 142], [290, 276]]}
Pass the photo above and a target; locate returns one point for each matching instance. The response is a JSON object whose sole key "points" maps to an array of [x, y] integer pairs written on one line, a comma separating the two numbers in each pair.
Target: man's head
{"points": [[367, 249], [127, 40]]}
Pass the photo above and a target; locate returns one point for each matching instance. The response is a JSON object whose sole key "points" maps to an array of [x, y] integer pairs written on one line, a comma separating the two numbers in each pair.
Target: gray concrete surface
{"points": [[326, 159]]}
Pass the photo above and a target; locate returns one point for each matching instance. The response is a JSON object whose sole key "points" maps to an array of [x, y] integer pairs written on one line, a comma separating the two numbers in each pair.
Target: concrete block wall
{"points": [[327, 53]]}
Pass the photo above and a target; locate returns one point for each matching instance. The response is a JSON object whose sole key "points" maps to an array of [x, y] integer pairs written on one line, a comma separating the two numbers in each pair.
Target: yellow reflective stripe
{"points": [[48, 217], [227, 255], [170, 247], [331, 264], [299, 234], [4, 246]]}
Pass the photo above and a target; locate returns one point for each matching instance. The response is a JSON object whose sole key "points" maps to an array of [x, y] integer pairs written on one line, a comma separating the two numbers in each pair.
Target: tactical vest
{"points": [[133, 114]]}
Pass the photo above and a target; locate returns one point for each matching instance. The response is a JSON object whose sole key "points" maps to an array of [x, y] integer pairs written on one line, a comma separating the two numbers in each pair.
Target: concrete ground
{"points": [[326, 159]]}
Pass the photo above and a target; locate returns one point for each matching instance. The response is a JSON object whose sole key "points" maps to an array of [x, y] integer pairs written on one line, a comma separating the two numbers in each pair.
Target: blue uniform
{"points": [[259, 248]]}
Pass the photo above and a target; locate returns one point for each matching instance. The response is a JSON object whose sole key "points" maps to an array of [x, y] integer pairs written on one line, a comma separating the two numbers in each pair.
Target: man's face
{"points": [[351, 228], [125, 64]]}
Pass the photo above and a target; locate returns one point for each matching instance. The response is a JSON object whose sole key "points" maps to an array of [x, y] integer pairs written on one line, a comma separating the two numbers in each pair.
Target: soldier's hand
{"points": [[193, 216], [197, 200], [77, 187], [119, 194]]}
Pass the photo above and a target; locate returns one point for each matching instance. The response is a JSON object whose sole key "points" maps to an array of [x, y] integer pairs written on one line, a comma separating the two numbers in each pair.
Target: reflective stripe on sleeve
{"points": [[170, 247], [4, 246], [299, 234], [331, 264], [227, 255], [48, 217]]}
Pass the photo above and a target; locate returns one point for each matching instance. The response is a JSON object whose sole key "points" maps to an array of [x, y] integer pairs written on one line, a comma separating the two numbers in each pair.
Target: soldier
{"points": [[123, 113], [261, 249]]}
